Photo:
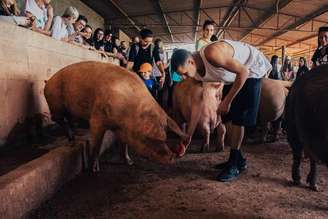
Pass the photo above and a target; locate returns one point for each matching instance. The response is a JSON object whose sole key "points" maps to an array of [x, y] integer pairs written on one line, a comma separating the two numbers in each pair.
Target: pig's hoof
{"points": [[129, 162], [219, 148], [295, 183], [116, 160], [205, 148], [95, 166], [312, 185], [314, 188]]}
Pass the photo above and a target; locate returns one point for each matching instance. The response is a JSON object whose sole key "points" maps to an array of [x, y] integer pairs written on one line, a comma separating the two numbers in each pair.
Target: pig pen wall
{"points": [[27, 59]]}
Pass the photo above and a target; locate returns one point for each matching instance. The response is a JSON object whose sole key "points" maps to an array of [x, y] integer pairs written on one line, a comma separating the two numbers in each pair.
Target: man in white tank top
{"points": [[240, 67]]}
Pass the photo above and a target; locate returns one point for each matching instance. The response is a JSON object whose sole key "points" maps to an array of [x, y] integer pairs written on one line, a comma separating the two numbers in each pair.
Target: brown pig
{"points": [[196, 103], [111, 98]]}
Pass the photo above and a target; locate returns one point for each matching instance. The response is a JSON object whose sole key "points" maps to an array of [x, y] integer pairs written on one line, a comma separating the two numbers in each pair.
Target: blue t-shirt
{"points": [[150, 83], [176, 77]]}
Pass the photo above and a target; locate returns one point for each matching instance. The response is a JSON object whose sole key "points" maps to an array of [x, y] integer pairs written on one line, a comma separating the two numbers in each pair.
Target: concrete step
{"points": [[26, 187]]}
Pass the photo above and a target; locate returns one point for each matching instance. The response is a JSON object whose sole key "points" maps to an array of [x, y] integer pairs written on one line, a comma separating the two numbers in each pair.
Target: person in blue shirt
{"points": [[145, 72]]}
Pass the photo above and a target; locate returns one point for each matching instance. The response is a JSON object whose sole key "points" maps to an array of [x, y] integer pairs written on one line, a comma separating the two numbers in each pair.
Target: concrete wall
{"points": [[27, 59], [95, 20]]}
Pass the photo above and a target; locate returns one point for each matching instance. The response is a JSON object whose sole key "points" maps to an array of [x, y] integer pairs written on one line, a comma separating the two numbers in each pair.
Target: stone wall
{"points": [[27, 59]]}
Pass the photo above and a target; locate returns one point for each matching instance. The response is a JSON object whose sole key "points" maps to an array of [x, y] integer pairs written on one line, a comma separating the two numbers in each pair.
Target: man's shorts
{"points": [[244, 107]]}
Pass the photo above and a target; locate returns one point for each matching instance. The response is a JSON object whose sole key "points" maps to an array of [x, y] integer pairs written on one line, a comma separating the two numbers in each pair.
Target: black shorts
{"points": [[244, 107]]}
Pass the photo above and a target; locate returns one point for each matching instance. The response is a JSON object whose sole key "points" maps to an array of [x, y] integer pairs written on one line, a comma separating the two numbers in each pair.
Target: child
{"points": [[145, 72]]}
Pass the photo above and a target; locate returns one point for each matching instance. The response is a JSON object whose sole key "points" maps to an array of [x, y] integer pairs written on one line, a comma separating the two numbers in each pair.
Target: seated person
{"points": [[60, 24], [42, 11], [145, 73], [9, 12]]}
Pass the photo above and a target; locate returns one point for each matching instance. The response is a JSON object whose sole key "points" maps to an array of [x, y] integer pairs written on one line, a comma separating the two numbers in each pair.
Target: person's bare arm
{"points": [[50, 12], [222, 56], [160, 66], [129, 66]]}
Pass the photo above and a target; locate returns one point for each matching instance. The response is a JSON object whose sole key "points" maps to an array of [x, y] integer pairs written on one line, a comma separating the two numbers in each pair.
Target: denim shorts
{"points": [[244, 108]]}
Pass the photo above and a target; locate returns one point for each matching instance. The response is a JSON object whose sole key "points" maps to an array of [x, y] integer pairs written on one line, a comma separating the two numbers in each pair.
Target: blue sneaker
{"points": [[235, 156], [228, 174]]}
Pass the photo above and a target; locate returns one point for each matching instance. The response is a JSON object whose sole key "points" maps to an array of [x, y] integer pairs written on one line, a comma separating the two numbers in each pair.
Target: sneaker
{"points": [[241, 162], [228, 174], [221, 166]]}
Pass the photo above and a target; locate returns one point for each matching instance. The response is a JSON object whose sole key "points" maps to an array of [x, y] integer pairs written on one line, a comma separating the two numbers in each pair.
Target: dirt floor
{"points": [[189, 190]]}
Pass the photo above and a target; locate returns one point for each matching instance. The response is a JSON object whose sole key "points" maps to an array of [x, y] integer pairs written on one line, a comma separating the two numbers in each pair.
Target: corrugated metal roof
{"points": [[267, 24]]}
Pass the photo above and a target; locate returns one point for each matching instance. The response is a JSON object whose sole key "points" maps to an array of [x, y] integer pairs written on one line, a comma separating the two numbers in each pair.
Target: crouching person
{"points": [[145, 72], [240, 67]]}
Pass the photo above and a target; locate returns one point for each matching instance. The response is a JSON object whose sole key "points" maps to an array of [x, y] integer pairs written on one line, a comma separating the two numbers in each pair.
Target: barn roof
{"points": [[267, 24]]}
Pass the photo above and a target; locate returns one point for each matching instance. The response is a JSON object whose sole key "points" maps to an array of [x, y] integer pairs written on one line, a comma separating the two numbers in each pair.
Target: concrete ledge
{"points": [[26, 187]]}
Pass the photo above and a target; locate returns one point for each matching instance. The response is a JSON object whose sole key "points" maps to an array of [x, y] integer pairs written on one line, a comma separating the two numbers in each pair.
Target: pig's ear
{"points": [[172, 125]]}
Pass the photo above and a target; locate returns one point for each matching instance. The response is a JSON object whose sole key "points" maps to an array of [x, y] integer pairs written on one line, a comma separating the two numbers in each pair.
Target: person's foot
{"points": [[228, 174], [221, 166], [241, 164]]}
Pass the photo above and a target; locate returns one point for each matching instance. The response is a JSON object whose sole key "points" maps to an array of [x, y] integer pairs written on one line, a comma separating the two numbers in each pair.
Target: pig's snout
{"points": [[170, 159], [179, 150]]}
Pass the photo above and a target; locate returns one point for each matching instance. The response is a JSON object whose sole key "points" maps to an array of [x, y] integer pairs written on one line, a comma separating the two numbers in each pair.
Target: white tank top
{"points": [[246, 54]]}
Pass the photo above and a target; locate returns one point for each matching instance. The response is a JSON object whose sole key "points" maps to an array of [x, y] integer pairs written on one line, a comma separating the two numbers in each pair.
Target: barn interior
{"points": [[44, 175]]}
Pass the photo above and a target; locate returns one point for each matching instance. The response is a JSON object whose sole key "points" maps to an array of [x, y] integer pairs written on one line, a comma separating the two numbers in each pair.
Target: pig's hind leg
{"points": [[220, 131], [128, 160], [297, 157], [206, 144], [312, 177], [97, 131]]}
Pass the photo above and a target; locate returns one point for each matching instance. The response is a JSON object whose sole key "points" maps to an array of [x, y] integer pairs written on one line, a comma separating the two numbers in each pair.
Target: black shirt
{"points": [[320, 56], [88, 41], [139, 56], [99, 44], [275, 74], [301, 71], [108, 46]]}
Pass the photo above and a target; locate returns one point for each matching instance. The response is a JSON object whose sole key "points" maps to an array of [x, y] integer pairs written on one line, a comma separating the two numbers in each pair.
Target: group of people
{"points": [[142, 55], [289, 73], [71, 27]]}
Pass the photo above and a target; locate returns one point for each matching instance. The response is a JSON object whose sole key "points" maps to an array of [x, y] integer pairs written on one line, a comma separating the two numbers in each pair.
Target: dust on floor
{"points": [[188, 190]]}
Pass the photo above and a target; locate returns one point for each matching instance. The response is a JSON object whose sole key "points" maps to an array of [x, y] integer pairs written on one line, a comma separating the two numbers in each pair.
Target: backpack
{"points": [[152, 47]]}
